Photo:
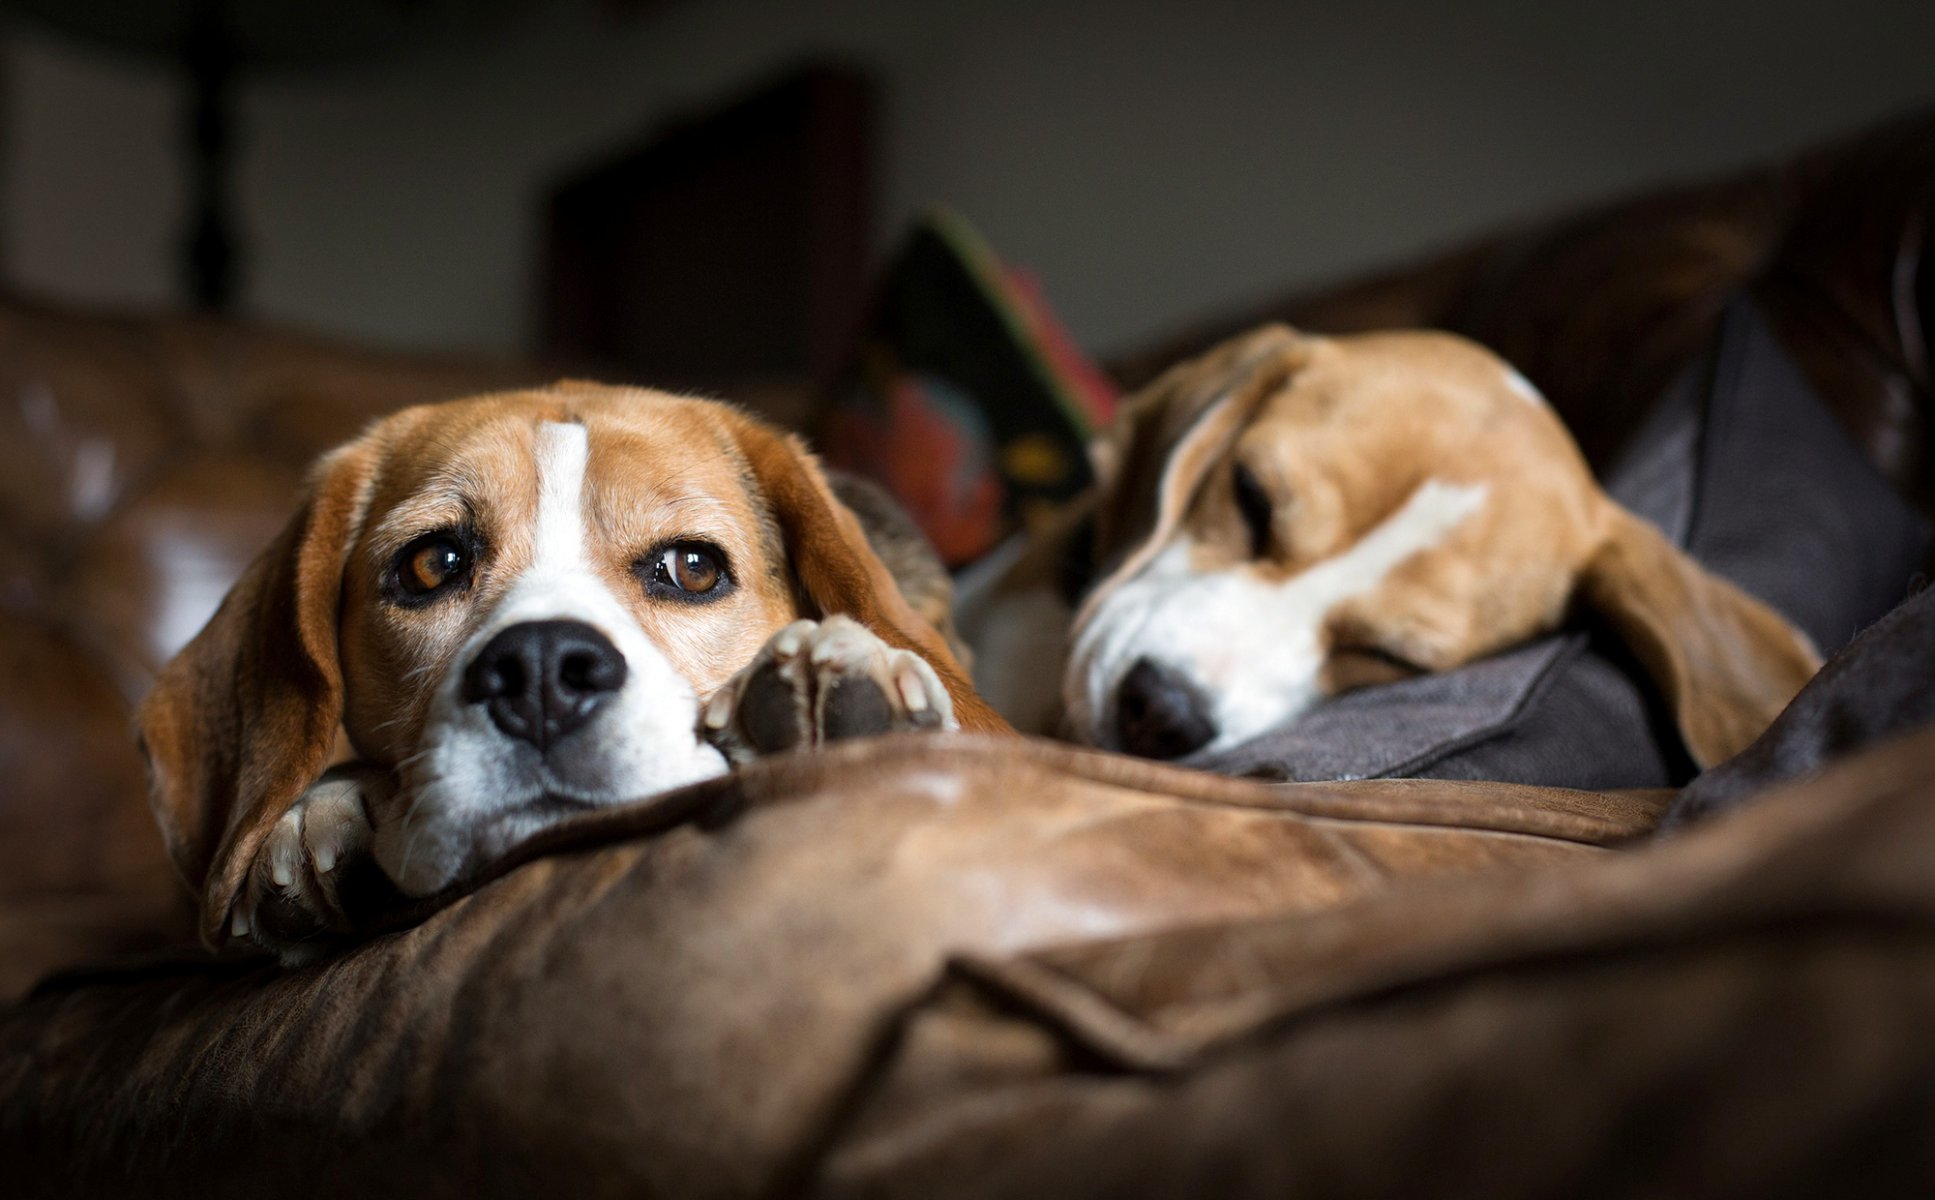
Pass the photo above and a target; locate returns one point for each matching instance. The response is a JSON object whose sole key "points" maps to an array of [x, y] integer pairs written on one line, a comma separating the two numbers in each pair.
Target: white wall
{"points": [[1151, 161]]}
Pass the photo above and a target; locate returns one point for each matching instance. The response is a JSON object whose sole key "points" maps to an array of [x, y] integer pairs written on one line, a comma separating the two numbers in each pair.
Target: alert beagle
{"points": [[1290, 516], [515, 608]]}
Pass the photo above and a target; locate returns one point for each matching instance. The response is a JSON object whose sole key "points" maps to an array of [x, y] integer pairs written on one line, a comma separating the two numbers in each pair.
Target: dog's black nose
{"points": [[1159, 714], [542, 679]]}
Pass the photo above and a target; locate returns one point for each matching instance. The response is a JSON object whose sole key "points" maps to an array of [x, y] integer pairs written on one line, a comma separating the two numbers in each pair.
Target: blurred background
{"points": [[395, 167]]}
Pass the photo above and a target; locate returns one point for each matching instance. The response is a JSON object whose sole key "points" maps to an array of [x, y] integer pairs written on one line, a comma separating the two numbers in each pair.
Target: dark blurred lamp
{"points": [[214, 42]]}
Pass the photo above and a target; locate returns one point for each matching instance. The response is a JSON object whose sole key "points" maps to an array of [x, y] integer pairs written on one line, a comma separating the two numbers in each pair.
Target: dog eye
{"points": [[690, 569], [430, 564], [1257, 508]]}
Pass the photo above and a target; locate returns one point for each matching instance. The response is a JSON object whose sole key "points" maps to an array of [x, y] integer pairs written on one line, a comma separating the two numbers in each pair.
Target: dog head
{"points": [[1291, 516], [516, 602]]}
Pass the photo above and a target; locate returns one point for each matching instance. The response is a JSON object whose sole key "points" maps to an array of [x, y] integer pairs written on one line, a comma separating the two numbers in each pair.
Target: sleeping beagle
{"points": [[515, 608], [1290, 516]]}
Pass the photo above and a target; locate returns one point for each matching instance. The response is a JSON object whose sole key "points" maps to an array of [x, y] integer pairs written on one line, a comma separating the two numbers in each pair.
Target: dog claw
{"points": [[718, 710], [786, 644], [913, 691]]}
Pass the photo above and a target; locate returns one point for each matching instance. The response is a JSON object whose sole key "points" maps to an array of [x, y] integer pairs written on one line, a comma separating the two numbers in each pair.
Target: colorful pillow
{"points": [[967, 399]]}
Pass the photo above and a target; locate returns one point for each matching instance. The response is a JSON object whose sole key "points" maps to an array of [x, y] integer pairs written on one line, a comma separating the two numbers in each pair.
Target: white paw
{"points": [[822, 681], [292, 904]]}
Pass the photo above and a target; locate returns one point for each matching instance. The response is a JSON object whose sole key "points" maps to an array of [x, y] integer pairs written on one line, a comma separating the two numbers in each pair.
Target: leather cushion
{"points": [[1739, 1012], [672, 999]]}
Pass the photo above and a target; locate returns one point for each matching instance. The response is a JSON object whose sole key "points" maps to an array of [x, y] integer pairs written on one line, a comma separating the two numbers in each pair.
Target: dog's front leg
{"points": [[298, 896], [823, 681]]}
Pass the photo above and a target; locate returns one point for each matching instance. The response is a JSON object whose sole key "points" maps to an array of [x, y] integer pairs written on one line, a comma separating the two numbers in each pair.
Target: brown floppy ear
{"points": [[245, 717], [1149, 459], [839, 572], [1726, 663], [1151, 462]]}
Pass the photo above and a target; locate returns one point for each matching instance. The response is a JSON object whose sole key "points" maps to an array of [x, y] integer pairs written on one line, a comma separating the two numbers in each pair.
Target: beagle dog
{"points": [[1290, 516], [511, 609]]}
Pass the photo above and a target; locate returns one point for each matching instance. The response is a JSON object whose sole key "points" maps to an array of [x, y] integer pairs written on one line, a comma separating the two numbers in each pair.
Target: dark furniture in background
{"points": [[728, 250], [216, 44]]}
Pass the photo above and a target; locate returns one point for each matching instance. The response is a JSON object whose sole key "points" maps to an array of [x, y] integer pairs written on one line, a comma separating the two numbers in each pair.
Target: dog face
{"points": [[517, 603], [1332, 512], [534, 611]]}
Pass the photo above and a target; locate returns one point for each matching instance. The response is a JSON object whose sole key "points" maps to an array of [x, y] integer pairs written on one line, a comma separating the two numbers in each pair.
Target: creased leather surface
{"points": [[1742, 1011], [644, 1010], [143, 461]]}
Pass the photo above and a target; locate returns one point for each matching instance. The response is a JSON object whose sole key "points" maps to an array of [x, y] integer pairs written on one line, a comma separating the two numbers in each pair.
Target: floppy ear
{"points": [[245, 718], [1172, 432], [837, 570], [1173, 429], [1726, 663]]}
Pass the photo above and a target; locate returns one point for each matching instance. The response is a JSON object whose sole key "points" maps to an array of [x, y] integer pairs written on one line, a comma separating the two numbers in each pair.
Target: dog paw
{"points": [[821, 681], [302, 891]]}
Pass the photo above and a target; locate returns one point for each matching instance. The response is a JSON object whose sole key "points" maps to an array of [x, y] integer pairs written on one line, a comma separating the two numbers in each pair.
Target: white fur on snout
{"points": [[1253, 647], [467, 792]]}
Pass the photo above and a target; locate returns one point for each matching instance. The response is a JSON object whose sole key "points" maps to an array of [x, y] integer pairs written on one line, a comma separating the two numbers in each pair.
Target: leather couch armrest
{"points": [[672, 998]]}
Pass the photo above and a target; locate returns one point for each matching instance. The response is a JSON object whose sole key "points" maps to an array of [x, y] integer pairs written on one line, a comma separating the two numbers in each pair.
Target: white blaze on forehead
{"points": [[562, 453], [1523, 387], [469, 784], [559, 582], [1252, 646]]}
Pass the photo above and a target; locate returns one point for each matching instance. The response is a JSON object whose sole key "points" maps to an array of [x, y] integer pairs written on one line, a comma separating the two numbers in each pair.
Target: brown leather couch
{"points": [[966, 967], [143, 461]]}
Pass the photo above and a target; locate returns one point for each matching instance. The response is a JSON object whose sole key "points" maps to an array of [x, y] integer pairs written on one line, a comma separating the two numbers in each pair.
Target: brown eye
{"points": [[430, 564], [690, 568]]}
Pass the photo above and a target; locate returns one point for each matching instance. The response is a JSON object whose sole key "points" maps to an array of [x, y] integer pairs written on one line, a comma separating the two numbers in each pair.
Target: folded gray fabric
{"points": [[1879, 685]]}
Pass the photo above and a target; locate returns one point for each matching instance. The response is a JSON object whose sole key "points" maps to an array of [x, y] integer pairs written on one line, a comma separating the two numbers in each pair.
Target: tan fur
{"points": [[246, 716], [1341, 431]]}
